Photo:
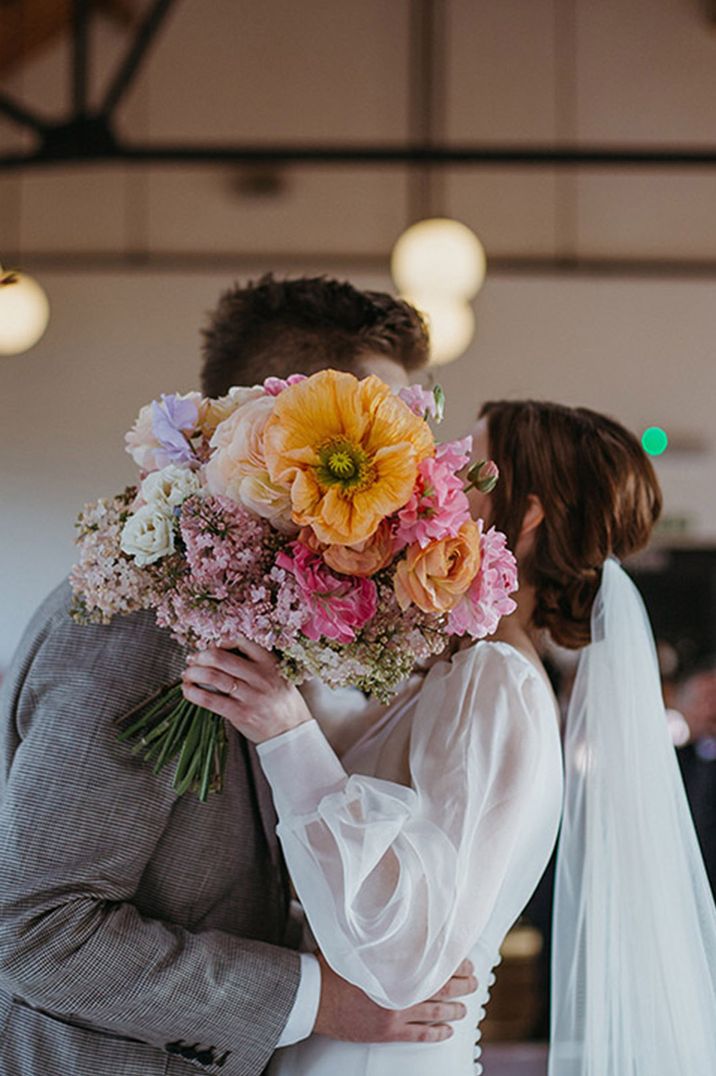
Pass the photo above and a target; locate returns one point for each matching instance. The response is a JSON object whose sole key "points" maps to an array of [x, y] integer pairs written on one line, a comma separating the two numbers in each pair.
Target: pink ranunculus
{"points": [[438, 506], [274, 386], [335, 606], [488, 599]]}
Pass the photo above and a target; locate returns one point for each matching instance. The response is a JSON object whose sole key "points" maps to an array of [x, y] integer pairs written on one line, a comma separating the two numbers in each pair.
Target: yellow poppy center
{"points": [[343, 463]]}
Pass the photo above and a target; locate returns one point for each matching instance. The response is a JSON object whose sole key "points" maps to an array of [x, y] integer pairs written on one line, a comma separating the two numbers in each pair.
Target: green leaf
{"points": [[439, 397]]}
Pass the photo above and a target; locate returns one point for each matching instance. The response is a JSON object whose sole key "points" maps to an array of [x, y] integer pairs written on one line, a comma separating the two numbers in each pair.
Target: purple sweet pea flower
{"points": [[169, 418]]}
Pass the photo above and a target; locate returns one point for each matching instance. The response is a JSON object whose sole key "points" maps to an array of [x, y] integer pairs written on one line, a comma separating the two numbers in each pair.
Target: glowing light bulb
{"points": [[451, 323], [24, 312], [439, 256]]}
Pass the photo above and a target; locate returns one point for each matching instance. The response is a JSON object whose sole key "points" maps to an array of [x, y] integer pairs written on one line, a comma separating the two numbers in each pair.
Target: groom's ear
{"points": [[533, 516]]}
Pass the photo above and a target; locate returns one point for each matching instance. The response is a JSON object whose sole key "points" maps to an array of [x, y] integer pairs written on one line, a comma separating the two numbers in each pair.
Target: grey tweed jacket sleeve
{"points": [[124, 910]]}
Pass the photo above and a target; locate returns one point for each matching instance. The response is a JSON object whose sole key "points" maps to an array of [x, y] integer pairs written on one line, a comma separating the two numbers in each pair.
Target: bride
{"points": [[422, 843]]}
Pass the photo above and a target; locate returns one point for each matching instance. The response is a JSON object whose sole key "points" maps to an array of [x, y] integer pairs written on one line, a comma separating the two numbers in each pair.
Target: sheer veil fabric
{"points": [[634, 940]]}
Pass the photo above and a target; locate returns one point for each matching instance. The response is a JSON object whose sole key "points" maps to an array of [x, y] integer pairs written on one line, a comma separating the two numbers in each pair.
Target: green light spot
{"points": [[654, 441]]}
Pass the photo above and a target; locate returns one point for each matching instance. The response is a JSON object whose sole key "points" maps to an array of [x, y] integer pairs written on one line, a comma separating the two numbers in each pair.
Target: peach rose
{"points": [[239, 439], [364, 558], [237, 469], [435, 578]]}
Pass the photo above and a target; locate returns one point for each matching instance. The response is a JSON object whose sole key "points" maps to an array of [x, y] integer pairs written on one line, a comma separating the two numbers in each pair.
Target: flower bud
{"points": [[483, 475]]}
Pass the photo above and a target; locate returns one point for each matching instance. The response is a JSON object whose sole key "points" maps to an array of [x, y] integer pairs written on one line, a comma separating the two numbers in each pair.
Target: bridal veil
{"points": [[634, 941]]}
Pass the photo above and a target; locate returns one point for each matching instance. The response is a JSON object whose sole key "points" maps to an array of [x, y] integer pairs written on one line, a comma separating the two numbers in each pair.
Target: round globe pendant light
{"points": [[451, 323], [438, 264], [439, 256], [24, 312]]}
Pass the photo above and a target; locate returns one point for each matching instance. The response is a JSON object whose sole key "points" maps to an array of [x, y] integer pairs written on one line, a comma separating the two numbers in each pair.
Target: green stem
{"points": [[159, 729], [185, 783], [150, 711], [208, 760], [173, 740], [166, 725], [147, 705], [187, 752]]}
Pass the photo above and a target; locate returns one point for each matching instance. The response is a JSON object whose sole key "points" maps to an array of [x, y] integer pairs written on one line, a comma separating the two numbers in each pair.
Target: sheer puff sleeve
{"points": [[398, 883]]}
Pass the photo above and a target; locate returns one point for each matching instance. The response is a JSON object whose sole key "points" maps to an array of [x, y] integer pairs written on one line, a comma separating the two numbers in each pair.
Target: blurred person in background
{"points": [[690, 698]]}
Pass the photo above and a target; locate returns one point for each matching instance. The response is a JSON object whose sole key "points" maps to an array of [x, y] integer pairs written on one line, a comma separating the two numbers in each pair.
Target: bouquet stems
{"points": [[167, 727]]}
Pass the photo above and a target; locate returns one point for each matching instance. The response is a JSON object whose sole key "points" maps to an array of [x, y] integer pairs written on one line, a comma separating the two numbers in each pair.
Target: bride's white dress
{"points": [[421, 846]]}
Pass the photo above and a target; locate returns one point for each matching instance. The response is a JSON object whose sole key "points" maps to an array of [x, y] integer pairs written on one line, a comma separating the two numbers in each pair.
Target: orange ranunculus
{"points": [[435, 578], [348, 450], [363, 558]]}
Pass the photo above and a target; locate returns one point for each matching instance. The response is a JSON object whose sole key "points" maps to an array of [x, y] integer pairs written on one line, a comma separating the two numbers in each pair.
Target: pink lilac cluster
{"points": [[438, 506], [336, 606], [488, 599], [105, 582], [225, 584]]}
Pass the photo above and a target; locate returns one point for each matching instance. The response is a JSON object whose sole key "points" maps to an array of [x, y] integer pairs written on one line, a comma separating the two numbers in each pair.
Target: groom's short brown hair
{"points": [[281, 327]]}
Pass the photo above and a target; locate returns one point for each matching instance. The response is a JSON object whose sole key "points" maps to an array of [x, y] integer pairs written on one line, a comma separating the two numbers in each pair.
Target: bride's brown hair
{"points": [[600, 497]]}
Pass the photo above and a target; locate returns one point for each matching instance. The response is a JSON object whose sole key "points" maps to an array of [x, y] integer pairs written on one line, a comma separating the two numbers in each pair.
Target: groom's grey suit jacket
{"points": [[140, 933]]}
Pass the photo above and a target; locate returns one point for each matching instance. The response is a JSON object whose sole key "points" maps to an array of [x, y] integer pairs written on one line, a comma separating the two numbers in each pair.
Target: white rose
{"points": [[148, 535], [169, 487]]}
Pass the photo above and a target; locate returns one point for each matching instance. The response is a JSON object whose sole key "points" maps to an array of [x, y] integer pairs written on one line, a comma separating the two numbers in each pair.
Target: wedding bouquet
{"points": [[316, 516]]}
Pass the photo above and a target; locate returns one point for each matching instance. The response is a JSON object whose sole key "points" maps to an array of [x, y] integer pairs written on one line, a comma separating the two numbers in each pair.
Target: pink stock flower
{"points": [[421, 401], [488, 599], [438, 506], [274, 386], [455, 454], [335, 606]]}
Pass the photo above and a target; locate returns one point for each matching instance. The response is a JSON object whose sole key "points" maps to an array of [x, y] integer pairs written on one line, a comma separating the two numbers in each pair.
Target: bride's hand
{"points": [[247, 689]]}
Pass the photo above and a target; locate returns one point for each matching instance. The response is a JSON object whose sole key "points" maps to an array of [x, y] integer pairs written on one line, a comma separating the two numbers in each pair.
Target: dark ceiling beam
{"points": [[19, 114], [320, 261], [80, 56], [137, 52], [92, 147]]}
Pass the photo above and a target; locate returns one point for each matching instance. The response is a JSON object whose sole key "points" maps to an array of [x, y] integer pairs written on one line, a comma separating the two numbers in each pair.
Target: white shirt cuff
{"points": [[302, 1018], [301, 767]]}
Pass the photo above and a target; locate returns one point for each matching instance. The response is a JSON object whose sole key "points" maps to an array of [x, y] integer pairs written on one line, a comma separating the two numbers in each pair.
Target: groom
{"points": [[142, 934]]}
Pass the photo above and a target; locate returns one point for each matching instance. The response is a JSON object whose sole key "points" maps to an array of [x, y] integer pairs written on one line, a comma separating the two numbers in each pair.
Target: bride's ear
{"points": [[533, 516]]}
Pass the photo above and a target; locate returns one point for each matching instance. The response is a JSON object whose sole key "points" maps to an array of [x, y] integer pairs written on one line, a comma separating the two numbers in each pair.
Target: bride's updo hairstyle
{"points": [[600, 497]]}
